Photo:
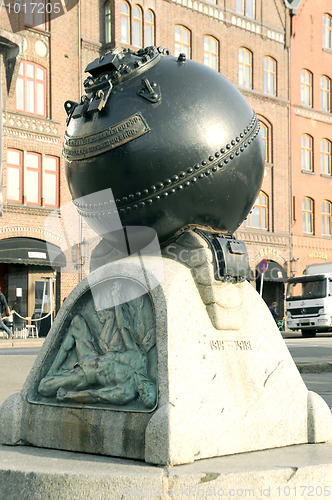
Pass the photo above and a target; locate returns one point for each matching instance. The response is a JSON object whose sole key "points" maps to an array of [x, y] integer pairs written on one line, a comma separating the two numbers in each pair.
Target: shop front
{"points": [[30, 279]]}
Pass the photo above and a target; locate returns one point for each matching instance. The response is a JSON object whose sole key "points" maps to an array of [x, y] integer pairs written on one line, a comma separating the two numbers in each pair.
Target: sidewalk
{"points": [[29, 342]]}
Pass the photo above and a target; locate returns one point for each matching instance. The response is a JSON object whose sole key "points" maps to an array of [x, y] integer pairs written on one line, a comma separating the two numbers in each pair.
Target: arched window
{"points": [[308, 215], [149, 28], [264, 133], [182, 40], [325, 157], [258, 217], [325, 93], [125, 22], [211, 52], [270, 75], [31, 89], [326, 218], [108, 22], [245, 67], [306, 87], [327, 31], [306, 153], [137, 26]]}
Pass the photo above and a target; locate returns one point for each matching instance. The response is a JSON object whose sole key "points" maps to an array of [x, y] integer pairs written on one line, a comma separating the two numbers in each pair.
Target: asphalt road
{"points": [[311, 350]]}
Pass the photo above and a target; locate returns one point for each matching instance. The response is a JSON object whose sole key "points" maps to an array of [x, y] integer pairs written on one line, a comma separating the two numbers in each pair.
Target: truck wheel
{"points": [[308, 333]]}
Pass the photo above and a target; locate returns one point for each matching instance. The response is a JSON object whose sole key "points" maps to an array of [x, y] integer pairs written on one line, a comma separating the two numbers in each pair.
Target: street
{"points": [[16, 363], [311, 350]]}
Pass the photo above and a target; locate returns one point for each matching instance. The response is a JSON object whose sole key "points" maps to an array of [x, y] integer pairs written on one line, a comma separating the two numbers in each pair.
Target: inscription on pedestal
{"points": [[230, 345]]}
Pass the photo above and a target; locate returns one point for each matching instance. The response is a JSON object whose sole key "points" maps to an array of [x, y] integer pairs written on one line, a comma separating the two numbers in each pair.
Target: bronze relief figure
{"points": [[112, 365]]}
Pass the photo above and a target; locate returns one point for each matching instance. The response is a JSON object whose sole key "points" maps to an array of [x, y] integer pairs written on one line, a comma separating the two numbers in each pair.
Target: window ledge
{"points": [[310, 172], [306, 106], [11, 206], [327, 176], [38, 31]]}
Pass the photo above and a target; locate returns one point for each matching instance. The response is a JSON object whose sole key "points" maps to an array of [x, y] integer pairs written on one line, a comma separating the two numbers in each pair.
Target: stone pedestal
{"points": [[226, 381]]}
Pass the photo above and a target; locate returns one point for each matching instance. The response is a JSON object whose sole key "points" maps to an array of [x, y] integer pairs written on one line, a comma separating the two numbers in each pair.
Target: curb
{"points": [[320, 367], [9, 344]]}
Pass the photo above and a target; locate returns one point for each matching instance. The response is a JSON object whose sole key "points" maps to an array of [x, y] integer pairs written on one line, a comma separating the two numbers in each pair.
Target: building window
{"points": [[137, 26], [35, 13], [325, 94], [182, 41], [245, 7], [108, 22], [325, 157], [306, 153], [308, 215], [326, 218], [264, 137], [258, 217], [211, 50], [125, 22], [306, 88], [245, 67], [51, 181], [32, 182], [270, 75], [149, 28], [31, 89], [266, 134], [32, 178], [327, 31], [14, 176]]}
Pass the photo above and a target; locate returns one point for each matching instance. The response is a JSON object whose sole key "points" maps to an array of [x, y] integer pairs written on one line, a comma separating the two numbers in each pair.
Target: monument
{"points": [[170, 356]]}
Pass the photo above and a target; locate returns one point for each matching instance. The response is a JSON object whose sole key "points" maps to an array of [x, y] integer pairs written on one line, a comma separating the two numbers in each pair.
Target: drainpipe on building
{"points": [[291, 253], [1, 198]]}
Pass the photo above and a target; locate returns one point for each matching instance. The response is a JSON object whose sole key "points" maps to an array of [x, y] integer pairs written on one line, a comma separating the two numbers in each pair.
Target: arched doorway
{"points": [[273, 285]]}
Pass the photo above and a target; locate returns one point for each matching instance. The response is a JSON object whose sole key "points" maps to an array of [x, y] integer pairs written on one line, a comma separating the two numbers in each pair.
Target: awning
{"points": [[31, 251], [274, 272]]}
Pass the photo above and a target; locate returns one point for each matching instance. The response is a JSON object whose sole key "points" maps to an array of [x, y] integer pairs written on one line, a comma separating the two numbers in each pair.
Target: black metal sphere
{"points": [[175, 141]]}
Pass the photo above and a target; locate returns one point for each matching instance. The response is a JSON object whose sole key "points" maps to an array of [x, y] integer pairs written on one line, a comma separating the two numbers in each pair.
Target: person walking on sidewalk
{"points": [[4, 307], [273, 311]]}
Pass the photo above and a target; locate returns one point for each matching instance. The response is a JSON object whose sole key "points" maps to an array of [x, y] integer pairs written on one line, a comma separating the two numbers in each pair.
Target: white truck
{"points": [[309, 300]]}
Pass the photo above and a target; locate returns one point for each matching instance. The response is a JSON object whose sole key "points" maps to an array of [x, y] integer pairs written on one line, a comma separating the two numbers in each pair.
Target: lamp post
{"points": [[293, 266]]}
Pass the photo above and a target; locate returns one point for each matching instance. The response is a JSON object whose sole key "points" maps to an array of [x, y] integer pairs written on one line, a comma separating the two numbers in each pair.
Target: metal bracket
{"points": [[230, 256], [150, 91], [100, 98]]}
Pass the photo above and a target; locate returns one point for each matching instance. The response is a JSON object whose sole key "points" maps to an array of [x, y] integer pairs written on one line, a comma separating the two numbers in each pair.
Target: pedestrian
{"points": [[273, 311], [4, 307]]}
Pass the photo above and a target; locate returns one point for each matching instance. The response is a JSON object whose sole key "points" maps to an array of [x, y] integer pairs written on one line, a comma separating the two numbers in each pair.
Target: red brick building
{"points": [[37, 64], [311, 133], [42, 65]]}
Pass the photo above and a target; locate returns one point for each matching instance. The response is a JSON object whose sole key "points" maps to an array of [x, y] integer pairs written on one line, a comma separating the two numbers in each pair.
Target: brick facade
{"points": [[307, 53], [74, 39]]}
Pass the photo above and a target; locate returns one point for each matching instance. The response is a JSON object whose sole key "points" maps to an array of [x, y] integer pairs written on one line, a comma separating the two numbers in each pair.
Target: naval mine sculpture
{"points": [[185, 364]]}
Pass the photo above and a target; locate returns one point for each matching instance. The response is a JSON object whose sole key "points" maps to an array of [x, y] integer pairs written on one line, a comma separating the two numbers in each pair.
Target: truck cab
{"points": [[309, 304]]}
